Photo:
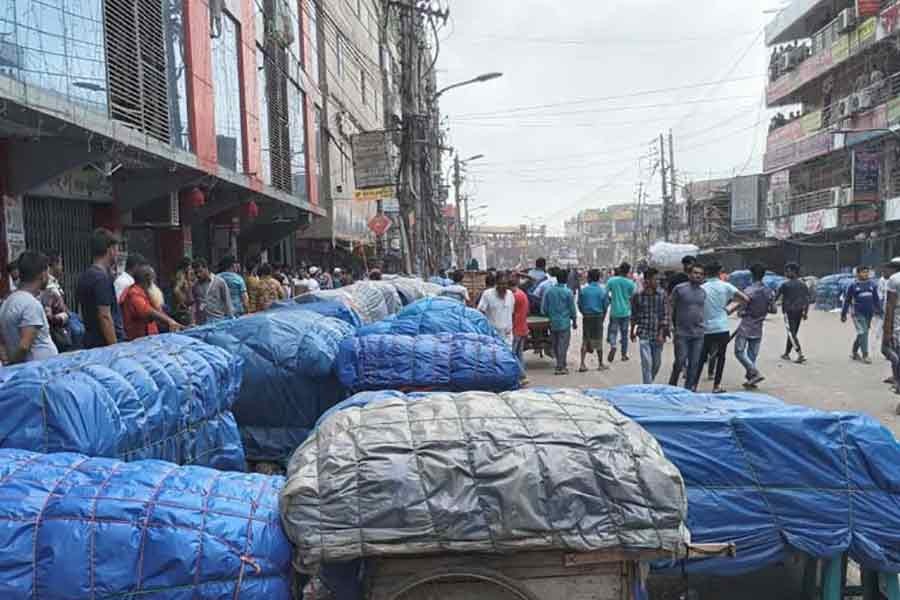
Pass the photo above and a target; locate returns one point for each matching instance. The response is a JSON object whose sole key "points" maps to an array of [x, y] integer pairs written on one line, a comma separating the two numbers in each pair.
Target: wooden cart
{"points": [[539, 336], [475, 282], [551, 575]]}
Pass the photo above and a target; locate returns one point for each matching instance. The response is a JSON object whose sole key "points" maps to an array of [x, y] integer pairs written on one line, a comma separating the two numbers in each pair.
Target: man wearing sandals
{"points": [[593, 302]]}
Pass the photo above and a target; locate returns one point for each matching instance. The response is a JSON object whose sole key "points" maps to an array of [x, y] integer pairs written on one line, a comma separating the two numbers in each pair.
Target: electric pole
{"points": [[665, 193], [457, 184], [637, 220], [674, 190]]}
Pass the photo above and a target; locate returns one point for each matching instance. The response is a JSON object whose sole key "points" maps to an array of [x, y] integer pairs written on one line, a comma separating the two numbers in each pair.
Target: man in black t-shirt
{"points": [[96, 293], [795, 305]]}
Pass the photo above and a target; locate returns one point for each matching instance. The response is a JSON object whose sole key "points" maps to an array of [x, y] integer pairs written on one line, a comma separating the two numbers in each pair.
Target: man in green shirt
{"points": [[621, 289], [558, 304]]}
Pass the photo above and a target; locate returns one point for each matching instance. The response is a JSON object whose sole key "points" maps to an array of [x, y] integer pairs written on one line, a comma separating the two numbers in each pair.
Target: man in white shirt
{"points": [[126, 279], [456, 290], [497, 304]]}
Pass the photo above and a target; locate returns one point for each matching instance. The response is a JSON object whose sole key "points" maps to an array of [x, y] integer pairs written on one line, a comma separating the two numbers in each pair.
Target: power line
{"points": [[605, 40], [606, 98]]}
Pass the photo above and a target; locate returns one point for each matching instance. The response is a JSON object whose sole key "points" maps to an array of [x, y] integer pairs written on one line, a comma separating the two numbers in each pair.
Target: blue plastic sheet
{"points": [[288, 357], [326, 308], [460, 362], [79, 528], [432, 316], [771, 476], [742, 280], [167, 397], [830, 289]]}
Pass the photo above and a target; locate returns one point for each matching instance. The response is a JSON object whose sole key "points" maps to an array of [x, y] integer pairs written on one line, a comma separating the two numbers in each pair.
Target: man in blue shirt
{"points": [[718, 305], [538, 273], [547, 282], [593, 302], [558, 304], [621, 289], [863, 296]]}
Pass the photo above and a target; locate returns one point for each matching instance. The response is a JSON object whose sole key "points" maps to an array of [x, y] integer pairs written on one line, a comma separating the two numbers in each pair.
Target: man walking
{"points": [[497, 303], [230, 272], [650, 323], [890, 341], [749, 334], [719, 295], [593, 302], [126, 278], [862, 295], [558, 304], [520, 321], [96, 293], [794, 297], [23, 322], [212, 300], [621, 289], [686, 309], [678, 278]]}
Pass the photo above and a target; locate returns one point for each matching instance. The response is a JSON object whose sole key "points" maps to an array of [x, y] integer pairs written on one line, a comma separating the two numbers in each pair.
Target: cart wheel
{"points": [[462, 584]]}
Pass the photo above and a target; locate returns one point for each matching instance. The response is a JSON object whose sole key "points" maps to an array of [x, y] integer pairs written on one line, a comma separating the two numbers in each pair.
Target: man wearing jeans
{"points": [[686, 310], [558, 304], [863, 296], [890, 342], [650, 323], [621, 289], [749, 334]]}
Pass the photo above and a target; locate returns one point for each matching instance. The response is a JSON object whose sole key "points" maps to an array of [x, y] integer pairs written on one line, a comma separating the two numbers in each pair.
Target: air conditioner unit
{"points": [[863, 100], [846, 20], [843, 196], [842, 109]]}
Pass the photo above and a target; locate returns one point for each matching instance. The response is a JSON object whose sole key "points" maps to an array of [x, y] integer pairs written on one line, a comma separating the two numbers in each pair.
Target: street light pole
{"points": [[479, 79]]}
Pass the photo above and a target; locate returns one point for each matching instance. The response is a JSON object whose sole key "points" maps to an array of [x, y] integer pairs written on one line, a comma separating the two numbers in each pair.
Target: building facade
{"points": [[833, 183]]}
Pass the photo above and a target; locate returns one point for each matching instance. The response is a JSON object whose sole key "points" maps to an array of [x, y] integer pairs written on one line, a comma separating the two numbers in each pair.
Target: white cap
{"points": [[895, 261], [313, 270], [337, 270]]}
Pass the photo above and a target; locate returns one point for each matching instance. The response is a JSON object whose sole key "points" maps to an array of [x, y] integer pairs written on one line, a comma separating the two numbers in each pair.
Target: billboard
{"points": [[745, 201], [373, 164]]}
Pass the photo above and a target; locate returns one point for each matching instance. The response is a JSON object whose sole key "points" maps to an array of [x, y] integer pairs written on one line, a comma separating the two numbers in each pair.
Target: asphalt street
{"points": [[829, 380]]}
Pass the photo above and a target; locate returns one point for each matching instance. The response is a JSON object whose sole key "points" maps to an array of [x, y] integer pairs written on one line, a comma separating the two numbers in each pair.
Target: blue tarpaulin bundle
{"points": [[432, 316], [459, 362], [830, 288], [288, 357], [771, 476], [742, 280], [79, 528], [326, 308], [167, 397]]}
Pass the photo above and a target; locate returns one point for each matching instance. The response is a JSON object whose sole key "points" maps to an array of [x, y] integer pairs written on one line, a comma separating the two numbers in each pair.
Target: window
{"points": [[227, 94], [340, 55], [363, 88], [297, 122], [177, 74]]}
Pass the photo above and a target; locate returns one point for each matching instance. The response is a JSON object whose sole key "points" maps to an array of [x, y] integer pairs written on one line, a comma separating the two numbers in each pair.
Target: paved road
{"points": [[829, 380]]}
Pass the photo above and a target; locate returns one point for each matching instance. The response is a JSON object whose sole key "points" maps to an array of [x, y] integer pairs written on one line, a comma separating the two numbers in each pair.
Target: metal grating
{"points": [[63, 225], [136, 65], [276, 67]]}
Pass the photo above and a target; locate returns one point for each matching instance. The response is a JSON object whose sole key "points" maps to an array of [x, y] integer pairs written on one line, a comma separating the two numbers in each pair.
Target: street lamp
{"points": [[479, 79], [463, 233]]}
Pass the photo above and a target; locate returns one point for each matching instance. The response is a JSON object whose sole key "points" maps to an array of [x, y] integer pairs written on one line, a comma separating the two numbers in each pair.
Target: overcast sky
{"points": [[583, 150]]}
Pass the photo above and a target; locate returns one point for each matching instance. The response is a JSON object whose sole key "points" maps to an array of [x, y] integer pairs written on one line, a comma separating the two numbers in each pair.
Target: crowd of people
{"points": [[36, 321]]}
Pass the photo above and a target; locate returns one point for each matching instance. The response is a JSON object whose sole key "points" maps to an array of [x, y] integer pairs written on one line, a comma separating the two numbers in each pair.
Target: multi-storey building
{"points": [[831, 154], [191, 127]]}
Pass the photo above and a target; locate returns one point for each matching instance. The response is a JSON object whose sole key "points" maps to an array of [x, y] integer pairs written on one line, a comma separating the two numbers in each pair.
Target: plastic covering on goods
{"points": [[830, 289], [412, 290], [167, 397], [389, 474], [79, 528], [453, 362], [391, 296], [326, 308], [433, 316], [771, 477], [288, 357], [668, 255], [743, 279], [364, 298]]}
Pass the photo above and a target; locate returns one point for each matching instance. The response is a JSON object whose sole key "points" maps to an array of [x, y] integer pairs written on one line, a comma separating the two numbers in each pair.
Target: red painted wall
{"points": [[198, 60], [249, 95]]}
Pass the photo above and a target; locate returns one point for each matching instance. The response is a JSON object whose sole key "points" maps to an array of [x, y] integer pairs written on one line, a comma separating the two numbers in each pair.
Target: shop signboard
{"points": [[815, 221], [867, 8], [815, 145], [373, 164], [14, 222], [866, 173], [780, 229]]}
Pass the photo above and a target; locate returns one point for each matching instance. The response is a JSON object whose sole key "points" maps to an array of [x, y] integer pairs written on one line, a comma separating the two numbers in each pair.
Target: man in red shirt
{"points": [[520, 321]]}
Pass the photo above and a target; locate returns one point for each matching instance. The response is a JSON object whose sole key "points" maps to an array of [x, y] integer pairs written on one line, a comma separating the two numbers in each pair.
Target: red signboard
{"points": [[867, 8], [379, 224]]}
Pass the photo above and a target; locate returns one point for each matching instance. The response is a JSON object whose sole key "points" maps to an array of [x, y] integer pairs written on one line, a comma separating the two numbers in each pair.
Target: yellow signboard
{"points": [[374, 194], [840, 50], [811, 122], [866, 31]]}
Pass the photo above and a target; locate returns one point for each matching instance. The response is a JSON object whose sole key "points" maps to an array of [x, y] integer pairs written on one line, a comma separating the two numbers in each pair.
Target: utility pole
{"points": [[665, 193], [409, 81], [467, 254], [637, 220], [457, 184], [674, 190]]}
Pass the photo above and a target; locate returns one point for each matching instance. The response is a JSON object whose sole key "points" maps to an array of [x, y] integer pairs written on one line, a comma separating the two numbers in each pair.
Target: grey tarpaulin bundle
{"points": [[167, 397], [363, 297], [390, 474], [80, 528]]}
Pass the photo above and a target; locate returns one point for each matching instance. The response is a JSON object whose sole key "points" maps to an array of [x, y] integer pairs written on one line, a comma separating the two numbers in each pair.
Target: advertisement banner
{"points": [[374, 194], [867, 8], [815, 145], [866, 174], [780, 229], [373, 164], [745, 195], [867, 30], [815, 221]]}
